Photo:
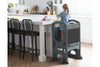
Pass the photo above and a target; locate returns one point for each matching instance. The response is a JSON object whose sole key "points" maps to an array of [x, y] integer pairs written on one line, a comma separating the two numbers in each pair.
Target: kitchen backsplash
{"points": [[42, 4]]}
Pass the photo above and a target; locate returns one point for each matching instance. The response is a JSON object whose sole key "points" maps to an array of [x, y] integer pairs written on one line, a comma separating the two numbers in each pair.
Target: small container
{"points": [[15, 17], [54, 12], [17, 11], [49, 12], [12, 17]]}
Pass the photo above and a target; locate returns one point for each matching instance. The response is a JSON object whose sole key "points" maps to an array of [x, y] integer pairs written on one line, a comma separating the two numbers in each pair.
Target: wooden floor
{"points": [[14, 61]]}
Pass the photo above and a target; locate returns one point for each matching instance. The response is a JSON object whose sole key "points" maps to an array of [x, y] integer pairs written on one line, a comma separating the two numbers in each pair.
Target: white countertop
{"points": [[40, 15], [37, 19], [14, 14]]}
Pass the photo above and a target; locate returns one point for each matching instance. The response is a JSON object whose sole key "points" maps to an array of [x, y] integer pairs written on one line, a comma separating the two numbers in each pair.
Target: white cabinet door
{"points": [[86, 28]]}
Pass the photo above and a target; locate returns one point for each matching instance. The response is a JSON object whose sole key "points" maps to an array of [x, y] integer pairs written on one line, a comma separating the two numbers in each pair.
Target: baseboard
{"points": [[86, 41]]}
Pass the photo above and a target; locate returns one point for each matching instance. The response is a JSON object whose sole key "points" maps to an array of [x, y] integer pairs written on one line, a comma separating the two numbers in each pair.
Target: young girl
{"points": [[64, 15]]}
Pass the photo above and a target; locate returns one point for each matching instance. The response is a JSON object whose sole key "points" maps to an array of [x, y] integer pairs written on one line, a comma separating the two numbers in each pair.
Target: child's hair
{"points": [[65, 6]]}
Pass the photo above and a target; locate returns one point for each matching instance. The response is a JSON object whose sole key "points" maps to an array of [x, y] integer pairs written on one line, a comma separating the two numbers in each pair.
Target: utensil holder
{"points": [[54, 12], [49, 12]]}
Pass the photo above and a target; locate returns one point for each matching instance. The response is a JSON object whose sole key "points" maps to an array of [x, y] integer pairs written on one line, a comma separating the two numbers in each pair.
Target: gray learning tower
{"points": [[61, 50]]}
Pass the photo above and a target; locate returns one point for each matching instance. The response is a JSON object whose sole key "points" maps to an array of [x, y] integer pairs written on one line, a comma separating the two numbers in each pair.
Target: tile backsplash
{"points": [[42, 4]]}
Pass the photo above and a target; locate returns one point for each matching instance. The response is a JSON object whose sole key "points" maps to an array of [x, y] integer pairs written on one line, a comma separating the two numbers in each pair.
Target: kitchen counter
{"points": [[86, 29], [37, 20], [40, 15], [14, 14]]}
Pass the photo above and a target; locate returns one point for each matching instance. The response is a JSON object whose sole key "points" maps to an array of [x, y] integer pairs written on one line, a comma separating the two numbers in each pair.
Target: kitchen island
{"points": [[86, 26], [37, 20]]}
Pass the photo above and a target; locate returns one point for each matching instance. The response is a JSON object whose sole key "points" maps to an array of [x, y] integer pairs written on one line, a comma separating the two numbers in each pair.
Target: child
{"points": [[64, 18]]}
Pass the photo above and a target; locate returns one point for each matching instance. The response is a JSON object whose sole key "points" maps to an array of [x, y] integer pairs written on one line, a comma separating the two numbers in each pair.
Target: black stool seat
{"points": [[10, 30], [30, 32]]}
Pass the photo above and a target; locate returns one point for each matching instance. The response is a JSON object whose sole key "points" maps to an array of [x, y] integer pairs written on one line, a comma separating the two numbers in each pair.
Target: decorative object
{"points": [[11, 9], [57, 2], [54, 12], [50, 4], [10, 5], [16, 4], [17, 11], [44, 11], [25, 11], [35, 9], [49, 12], [60, 1]]}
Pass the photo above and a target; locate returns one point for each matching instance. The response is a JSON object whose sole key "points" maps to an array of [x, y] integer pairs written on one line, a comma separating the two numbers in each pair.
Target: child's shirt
{"points": [[64, 16]]}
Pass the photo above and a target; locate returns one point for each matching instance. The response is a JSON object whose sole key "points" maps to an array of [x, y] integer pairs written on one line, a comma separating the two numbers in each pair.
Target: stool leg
{"points": [[12, 48], [14, 42], [32, 46], [8, 43], [45, 45], [36, 45], [20, 46], [23, 45]]}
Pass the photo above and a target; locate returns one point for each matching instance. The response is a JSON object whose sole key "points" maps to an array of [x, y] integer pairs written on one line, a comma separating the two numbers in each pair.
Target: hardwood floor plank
{"points": [[86, 50]]}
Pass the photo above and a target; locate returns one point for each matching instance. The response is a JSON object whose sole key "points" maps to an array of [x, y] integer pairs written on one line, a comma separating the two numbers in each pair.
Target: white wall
{"points": [[78, 7], [42, 4]]}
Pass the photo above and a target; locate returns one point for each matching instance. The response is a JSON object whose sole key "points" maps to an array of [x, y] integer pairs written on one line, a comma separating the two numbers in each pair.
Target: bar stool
{"points": [[28, 30], [9, 31], [16, 30]]}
